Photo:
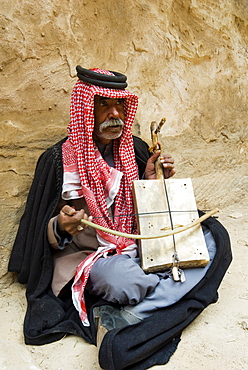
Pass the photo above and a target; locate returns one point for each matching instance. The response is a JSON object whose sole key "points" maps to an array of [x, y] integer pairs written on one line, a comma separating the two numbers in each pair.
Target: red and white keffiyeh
{"points": [[87, 175]]}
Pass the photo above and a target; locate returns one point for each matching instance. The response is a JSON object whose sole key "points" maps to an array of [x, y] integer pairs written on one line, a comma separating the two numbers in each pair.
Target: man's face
{"points": [[109, 119]]}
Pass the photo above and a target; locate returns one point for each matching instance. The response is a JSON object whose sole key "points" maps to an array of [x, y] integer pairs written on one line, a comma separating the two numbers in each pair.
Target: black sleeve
{"points": [[31, 255], [142, 154]]}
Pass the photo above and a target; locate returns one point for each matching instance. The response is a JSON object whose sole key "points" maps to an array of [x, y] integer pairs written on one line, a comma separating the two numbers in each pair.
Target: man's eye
{"points": [[120, 101], [103, 103]]}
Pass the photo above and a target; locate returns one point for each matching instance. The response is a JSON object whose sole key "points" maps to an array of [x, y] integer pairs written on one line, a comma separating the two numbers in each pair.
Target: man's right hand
{"points": [[69, 220]]}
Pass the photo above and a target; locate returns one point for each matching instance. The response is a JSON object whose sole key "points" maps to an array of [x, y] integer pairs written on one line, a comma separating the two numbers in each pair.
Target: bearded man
{"points": [[76, 273]]}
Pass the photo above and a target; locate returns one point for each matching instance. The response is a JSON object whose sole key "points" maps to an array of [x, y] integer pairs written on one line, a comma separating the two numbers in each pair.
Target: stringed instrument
{"points": [[167, 204]]}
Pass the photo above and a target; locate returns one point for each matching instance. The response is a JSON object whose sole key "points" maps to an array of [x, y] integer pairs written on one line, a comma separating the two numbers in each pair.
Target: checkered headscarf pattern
{"points": [[81, 154], [80, 132]]}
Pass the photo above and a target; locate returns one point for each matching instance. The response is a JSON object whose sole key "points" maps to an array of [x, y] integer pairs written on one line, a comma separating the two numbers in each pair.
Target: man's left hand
{"points": [[167, 162]]}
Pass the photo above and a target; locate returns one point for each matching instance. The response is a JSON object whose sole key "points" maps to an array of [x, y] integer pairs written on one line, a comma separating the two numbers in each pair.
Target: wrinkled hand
{"points": [[69, 220], [168, 166]]}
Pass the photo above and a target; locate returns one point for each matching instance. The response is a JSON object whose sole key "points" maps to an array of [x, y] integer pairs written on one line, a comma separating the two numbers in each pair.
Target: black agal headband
{"points": [[118, 81]]}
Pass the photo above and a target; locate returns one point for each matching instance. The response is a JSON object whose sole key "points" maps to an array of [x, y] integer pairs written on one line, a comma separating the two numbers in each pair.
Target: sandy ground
{"points": [[216, 339]]}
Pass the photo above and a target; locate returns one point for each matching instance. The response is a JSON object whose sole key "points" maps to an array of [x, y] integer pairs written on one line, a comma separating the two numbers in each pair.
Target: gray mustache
{"points": [[111, 122]]}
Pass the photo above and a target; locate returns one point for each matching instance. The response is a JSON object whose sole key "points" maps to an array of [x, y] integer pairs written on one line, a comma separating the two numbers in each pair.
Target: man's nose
{"points": [[113, 113]]}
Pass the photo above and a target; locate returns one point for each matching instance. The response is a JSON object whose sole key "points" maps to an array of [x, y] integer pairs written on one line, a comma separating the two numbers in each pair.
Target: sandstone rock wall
{"points": [[186, 59]]}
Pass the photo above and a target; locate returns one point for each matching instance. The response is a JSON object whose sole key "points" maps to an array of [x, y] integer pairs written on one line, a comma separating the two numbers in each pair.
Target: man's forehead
{"points": [[103, 97], [106, 97], [99, 98]]}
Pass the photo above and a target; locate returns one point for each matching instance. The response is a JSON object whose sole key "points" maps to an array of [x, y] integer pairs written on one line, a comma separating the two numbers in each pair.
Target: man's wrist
{"points": [[62, 236]]}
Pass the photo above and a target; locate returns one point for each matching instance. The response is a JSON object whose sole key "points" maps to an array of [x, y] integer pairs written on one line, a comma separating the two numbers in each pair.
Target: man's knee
{"points": [[119, 279]]}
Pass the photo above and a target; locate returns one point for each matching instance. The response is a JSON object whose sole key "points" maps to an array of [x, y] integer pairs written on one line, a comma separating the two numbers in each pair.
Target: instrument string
{"points": [[175, 256], [150, 213]]}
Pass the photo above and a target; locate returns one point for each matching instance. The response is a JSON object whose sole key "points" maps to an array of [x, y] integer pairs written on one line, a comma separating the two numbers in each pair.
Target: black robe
{"points": [[48, 318]]}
